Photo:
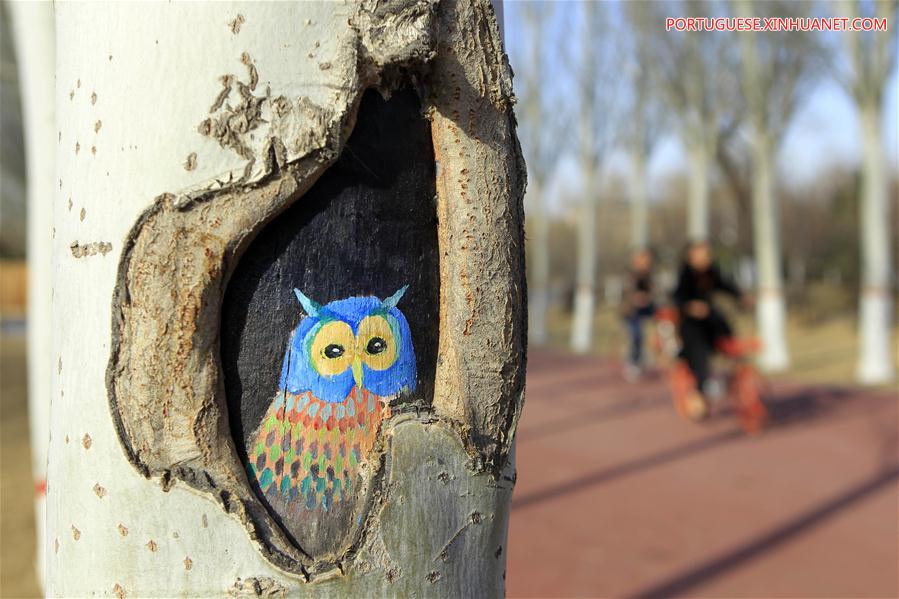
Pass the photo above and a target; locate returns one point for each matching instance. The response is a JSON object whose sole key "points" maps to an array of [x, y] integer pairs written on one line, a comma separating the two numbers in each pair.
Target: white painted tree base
{"points": [[771, 316], [875, 363], [582, 322]]}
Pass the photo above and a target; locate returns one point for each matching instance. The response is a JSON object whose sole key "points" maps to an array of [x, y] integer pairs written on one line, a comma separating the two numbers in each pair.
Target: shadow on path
{"points": [[607, 474], [619, 409], [759, 545], [571, 380], [785, 411]]}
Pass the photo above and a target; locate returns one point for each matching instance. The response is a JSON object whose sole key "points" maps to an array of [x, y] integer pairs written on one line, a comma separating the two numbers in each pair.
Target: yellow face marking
{"points": [[375, 343], [333, 348]]}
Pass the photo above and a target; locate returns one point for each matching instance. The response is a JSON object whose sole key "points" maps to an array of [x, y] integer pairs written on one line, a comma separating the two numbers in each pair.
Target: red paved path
{"points": [[617, 497]]}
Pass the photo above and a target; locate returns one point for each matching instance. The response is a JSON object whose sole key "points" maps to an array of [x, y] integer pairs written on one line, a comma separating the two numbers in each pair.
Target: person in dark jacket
{"points": [[701, 324], [638, 306]]}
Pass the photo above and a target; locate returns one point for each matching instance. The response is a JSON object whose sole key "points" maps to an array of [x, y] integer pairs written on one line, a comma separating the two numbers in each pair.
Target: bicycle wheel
{"points": [[747, 398], [688, 401]]}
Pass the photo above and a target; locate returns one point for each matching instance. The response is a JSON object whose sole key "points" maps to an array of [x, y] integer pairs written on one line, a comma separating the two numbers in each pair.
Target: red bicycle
{"points": [[745, 386]]}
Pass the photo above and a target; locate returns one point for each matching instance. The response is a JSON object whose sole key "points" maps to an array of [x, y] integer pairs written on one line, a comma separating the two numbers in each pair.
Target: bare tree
{"points": [[776, 70], [541, 141], [871, 58], [695, 73], [598, 88], [645, 115], [733, 161]]}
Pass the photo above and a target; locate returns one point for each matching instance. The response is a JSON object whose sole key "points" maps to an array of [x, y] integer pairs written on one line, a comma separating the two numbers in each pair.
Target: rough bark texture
{"points": [[480, 376], [442, 493]]}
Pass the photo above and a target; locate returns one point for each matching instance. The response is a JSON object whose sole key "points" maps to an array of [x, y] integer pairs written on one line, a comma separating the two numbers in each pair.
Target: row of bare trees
{"points": [[729, 98]]}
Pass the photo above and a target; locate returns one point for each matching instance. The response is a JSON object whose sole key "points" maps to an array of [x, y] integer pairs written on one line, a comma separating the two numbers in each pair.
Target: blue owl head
{"points": [[357, 341]]}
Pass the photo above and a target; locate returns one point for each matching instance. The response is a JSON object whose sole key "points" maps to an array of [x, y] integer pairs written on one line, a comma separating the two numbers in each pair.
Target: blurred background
{"points": [[645, 131], [780, 149]]}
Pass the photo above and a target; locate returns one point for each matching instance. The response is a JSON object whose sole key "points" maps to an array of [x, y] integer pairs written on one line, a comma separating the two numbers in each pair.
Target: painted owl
{"points": [[343, 363]]}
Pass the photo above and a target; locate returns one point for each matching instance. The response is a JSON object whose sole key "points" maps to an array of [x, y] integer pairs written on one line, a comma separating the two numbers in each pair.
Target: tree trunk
{"points": [[539, 161], [539, 282], [770, 307], [639, 200], [189, 133], [585, 277], [875, 359], [34, 37], [770, 304], [698, 193]]}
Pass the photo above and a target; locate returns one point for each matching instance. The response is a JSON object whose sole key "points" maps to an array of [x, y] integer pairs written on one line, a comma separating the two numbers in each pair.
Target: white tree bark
{"points": [[648, 113], [875, 359], [34, 35], [585, 277], [770, 307], [540, 146], [134, 87], [872, 61], [541, 157], [698, 192]]}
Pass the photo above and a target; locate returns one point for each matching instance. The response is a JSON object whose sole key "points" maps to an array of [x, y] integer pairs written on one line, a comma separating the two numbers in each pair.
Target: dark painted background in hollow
{"points": [[367, 227]]}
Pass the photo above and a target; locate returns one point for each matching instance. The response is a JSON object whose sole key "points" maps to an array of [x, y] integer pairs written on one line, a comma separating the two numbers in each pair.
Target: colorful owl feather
{"points": [[343, 363], [308, 451]]}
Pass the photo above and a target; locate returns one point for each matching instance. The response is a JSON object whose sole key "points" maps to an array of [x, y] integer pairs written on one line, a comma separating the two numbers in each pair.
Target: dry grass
{"points": [[17, 578], [13, 284]]}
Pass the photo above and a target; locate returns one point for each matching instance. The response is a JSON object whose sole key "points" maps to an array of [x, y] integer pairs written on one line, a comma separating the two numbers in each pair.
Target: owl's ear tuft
{"points": [[394, 299], [309, 306]]}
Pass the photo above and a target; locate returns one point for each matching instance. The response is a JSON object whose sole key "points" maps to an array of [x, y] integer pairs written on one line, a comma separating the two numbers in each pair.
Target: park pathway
{"points": [[618, 497]]}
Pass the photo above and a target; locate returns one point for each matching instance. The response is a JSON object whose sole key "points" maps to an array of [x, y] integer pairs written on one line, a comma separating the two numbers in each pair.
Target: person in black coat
{"points": [[701, 324]]}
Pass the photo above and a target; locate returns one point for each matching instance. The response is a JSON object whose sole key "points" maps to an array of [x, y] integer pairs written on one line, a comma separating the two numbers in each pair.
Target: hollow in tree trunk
{"points": [[201, 144]]}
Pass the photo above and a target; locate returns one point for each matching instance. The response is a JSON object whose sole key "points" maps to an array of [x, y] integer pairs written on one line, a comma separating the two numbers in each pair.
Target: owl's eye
{"points": [[333, 351], [375, 342], [376, 345]]}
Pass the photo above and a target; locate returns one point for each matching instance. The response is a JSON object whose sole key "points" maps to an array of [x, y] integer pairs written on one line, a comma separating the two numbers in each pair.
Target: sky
{"points": [[823, 133]]}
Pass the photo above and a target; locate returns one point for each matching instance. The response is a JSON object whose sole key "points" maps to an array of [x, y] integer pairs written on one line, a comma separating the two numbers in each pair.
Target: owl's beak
{"points": [[357, 371]]}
